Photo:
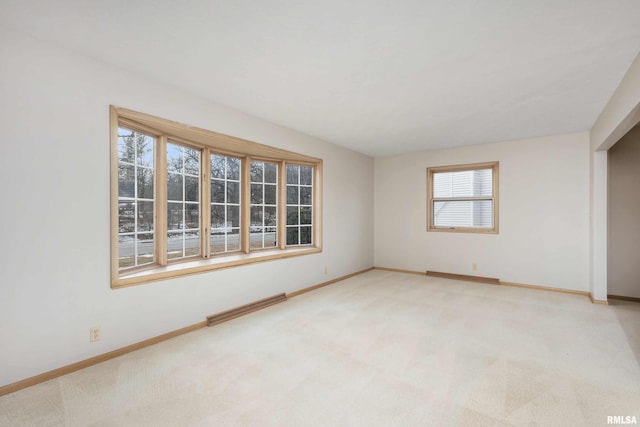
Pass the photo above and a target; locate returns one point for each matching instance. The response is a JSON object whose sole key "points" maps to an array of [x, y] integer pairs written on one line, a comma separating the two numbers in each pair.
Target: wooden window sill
{"points": [[200, 265]]}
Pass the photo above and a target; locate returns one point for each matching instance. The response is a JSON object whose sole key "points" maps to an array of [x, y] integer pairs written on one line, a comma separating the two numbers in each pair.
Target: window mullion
{"points": [[245, 204], [161, 201], [205, 203], [282, 205], [316, 210]]}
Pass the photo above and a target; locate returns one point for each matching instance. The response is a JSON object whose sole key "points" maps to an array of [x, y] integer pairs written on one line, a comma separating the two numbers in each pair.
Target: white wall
{"points": [[624, 216], [54, 173], [544, 214], [621, 113]]}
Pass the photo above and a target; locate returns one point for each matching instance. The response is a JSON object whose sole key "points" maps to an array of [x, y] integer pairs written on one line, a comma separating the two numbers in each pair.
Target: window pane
{"points": [[270, 192], [145, 183], [145, 216], [175, 244], [475, 183], [174, 158], [144, 150], [469, 213], [217, 166], [126, 145], [305, 195], [145, 248], [292, 236], [299, 204], [183, 210], [233, 192], [191, 161], [217, 217], [256, 216], [192, 215], [191, 243], [233, 240], [136, 213], [126, 217], [270, 173], [292, 195], [256, 171], [135, 147], [263, 195], [256, 238], [305, 215], [270, 237], [293, 174], [233, 168], [306, 174], [126, 251], [126, 180], [292, 215], [233, 216], [270, 216], [305, 235], [256, 194], [225, 213], [191, 188], [217, 191], [218, 241], [174, 186], [175, 216]]}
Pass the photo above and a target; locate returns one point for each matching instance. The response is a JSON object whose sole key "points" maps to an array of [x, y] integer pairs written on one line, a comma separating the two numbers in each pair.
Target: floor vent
{"points": [[464, 277], [214, 319]]}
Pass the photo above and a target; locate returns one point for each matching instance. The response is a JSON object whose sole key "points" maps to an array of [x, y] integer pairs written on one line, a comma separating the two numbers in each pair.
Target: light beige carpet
{"points": [[379, 349]]}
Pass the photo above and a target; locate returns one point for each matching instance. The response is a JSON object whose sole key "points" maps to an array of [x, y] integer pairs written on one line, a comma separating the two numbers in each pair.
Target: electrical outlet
{"points": [[474, 266], [95, 334], [325, 270]]}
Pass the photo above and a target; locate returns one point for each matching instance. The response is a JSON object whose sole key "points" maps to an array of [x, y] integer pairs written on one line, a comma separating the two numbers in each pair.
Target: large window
{"points": [[187, 200], [463, 198]]}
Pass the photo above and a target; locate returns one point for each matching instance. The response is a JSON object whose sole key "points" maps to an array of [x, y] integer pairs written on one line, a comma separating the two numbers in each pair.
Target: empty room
{"points": [[290, 213]]}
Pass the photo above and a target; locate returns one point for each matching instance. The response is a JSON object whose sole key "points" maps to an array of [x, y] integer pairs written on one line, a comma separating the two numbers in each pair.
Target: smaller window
{"points": [[225, 204], [183, 201], [463, 198], [299, 205], [136, 207], [264, 205]]}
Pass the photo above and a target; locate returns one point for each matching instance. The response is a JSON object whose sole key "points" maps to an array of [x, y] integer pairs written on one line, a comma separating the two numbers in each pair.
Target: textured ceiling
{"points": [[380, 77]]}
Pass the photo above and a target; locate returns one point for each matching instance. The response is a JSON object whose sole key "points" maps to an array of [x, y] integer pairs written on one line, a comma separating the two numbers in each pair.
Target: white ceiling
{"points": [[380, 77]]}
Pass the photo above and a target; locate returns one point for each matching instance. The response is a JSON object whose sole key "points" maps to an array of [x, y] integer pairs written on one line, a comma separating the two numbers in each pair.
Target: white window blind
{"points": [[463, 198]]}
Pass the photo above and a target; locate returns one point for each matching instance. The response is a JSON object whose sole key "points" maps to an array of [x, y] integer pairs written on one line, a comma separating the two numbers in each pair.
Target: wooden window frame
{"points": [[208, 142], [299, 207], [494, 166], [226, 204]]}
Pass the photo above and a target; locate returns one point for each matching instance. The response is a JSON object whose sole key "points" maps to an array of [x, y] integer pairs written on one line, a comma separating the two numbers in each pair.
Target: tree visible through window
{"points": [[187, 200], [299, 205], [264, 204], [225, 203], [135, 198], [183, 201]]}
